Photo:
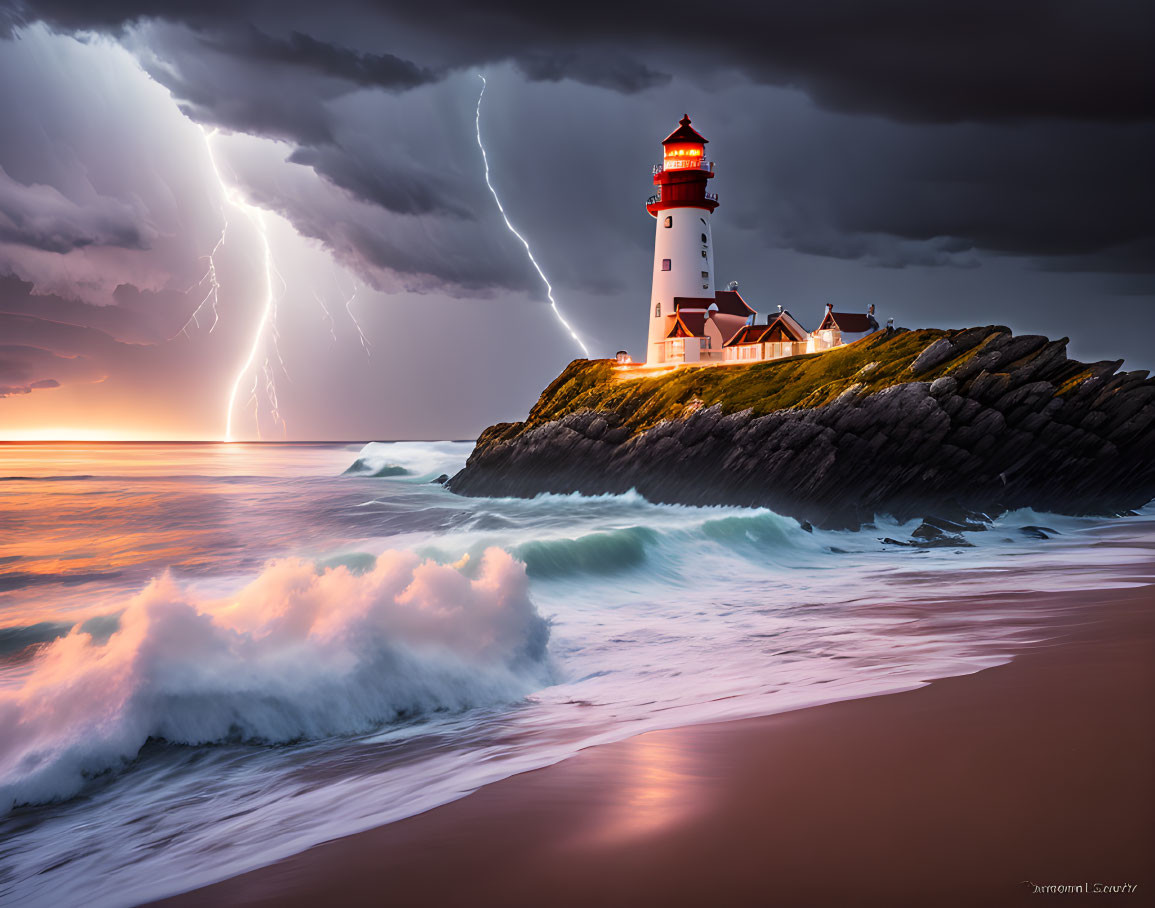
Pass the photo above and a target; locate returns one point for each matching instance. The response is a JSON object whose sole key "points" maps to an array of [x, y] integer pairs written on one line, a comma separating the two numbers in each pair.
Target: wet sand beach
{"points": [[963, 792]]}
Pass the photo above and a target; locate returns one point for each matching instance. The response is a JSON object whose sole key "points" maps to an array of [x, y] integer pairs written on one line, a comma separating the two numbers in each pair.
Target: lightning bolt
{"points": [[513, 230], [210, 276], [328, 317], [268, 310], [365, 345]]}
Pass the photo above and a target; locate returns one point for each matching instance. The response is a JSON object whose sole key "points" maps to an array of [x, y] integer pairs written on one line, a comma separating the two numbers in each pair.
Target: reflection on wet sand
{"points": [[658, 784]]}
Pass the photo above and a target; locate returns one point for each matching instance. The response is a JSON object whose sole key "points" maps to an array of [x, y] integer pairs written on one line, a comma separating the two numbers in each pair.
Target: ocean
{"points": [[214, 656]]}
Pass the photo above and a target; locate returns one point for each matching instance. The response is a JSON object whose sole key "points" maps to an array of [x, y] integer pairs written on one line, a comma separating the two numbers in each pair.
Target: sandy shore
{"points": [[957, 793]]}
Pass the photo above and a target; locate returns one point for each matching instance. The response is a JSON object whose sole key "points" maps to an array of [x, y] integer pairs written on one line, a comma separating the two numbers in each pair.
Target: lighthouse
{"points": [[683, 247], [689, 321]]}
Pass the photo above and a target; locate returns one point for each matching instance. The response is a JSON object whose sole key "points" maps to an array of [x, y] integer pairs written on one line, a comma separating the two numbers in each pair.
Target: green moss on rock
{"points": [[642, 399]]}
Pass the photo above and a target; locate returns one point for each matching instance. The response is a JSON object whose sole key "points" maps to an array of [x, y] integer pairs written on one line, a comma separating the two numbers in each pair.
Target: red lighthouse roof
{"points": [[685, 133]]}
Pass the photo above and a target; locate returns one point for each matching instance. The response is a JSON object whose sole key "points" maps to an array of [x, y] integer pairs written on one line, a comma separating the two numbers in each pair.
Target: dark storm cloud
{"points": [[281, 71], [605, 70], [215, 87], [37, 355], [301, 50], [101, 179], [42, 217], [395, 249], [1133, 261], [1077, 190], [238, 77], [908, 59], [135, 316], [403, 191], [1058, 190]]}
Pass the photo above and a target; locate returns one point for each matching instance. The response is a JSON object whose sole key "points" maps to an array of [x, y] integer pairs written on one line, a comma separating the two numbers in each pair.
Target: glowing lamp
{"points": [[679, 156]]}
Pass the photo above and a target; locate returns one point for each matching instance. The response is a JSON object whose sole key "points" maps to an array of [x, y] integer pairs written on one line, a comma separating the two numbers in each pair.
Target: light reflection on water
{"points": [[82, 522]]}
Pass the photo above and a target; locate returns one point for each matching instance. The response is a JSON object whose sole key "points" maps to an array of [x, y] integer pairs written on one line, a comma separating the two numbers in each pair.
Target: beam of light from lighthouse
{"points": [[257, 218], [513, 230]]}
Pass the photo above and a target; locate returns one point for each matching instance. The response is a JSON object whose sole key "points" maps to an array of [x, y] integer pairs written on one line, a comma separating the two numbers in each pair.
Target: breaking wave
{"points": [[594, 553], [370, 466], [19, 642], [420, 460], [301, 652]]}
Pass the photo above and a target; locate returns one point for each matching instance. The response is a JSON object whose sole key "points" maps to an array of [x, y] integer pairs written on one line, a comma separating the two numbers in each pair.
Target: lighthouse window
{"points": [[704, 240], [657, 310], [705, 275], [703, 253], [665, 264], [669, 220]]}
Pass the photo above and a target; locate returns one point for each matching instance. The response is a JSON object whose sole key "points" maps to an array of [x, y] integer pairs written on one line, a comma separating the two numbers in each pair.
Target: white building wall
{"points": [[682, 244], [823, 340]]}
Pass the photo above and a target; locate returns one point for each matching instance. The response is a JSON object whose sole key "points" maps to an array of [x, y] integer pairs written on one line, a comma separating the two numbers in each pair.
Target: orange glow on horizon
{"points": [[62, 433]]}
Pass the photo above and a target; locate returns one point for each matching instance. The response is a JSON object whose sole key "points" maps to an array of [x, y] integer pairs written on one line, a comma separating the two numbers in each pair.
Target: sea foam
{"points": [[300, 652]]}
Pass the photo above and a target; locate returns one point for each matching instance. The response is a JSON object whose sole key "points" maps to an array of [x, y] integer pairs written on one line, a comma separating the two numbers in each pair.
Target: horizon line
{"points": [[209, 441]]}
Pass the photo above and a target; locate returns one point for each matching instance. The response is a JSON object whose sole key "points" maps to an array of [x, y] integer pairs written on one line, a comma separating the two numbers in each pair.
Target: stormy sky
{"points": [[951, 163]]}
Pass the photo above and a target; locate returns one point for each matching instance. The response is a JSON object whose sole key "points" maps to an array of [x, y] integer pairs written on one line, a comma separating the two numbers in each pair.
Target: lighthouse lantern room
{"points": [[683, 246]]}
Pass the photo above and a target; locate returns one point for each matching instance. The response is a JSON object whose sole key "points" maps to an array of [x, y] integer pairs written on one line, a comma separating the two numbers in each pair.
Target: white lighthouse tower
{"points": [[683, 246]]}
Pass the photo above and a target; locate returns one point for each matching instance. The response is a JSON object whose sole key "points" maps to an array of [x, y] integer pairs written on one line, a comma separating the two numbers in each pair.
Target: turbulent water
{"points": [[214, 656]]}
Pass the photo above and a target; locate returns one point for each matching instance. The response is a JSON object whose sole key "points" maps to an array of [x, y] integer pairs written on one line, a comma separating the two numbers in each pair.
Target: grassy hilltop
{"points": [[641, 399]]}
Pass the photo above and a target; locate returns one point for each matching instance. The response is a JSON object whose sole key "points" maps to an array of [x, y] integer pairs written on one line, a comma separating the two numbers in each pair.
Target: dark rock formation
{"points": [[975, 421]]}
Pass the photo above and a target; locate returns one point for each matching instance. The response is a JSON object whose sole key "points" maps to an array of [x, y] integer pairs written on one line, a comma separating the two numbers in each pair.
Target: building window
{"points": [[665, 264], [657, 310], [704, 240], [669, 220]]}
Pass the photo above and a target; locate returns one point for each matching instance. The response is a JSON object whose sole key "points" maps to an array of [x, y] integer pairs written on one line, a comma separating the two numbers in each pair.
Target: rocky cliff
{"points": [[907, 423]]}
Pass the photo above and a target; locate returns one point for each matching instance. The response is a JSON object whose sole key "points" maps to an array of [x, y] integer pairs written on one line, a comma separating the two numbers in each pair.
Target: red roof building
{"points": [[848, 322], [751, 334], [782, 335], [691, 323], [731, 303]]}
